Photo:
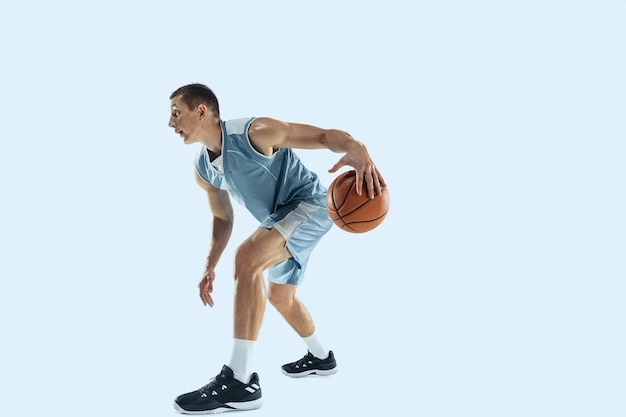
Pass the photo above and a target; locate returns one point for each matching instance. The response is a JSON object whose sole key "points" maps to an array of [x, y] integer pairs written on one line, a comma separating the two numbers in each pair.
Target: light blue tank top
{"points": [[269, 187]]}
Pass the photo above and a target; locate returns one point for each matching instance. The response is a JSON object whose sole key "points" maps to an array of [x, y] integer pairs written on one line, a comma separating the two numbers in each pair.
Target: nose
{"points": [[171, 122]]}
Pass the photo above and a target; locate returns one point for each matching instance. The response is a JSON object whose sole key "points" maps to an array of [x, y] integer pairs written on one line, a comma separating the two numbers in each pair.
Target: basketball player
{"points": [[251, 160]]}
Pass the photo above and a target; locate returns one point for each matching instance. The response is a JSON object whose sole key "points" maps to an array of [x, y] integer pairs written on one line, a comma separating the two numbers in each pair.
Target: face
{"points": [[184, 121]]}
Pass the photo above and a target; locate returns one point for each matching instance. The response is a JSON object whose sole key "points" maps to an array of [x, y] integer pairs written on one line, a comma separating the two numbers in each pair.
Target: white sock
{"points": [[315, 346], [241, 359]]}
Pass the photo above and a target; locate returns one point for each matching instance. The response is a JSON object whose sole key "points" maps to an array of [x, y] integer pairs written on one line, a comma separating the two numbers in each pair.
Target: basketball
{"points": [[352, 212]]}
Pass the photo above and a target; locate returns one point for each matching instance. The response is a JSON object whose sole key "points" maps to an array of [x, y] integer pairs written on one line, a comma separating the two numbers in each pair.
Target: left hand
{"points": [[366, 172]]}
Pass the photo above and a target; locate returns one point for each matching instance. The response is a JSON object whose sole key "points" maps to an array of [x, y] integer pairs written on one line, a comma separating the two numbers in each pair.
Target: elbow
{"points": [[223, 226], [226, 220]]}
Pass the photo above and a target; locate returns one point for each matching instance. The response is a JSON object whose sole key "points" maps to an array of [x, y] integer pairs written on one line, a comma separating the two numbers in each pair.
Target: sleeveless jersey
{"points": [[269, 187]]}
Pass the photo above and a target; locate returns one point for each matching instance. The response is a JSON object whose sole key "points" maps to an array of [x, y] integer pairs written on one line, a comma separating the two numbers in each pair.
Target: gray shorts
{"points": [[302, 229]]}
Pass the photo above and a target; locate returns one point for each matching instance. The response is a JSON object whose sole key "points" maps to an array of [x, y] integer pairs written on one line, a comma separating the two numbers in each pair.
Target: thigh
{"points": [[264, 248], [281, 292]]}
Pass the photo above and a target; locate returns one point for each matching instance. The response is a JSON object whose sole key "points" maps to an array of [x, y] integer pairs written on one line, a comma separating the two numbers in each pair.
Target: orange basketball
{"points": [[352, 212]]}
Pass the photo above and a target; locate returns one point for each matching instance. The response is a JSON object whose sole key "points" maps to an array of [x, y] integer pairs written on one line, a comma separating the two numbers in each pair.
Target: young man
{"points": [[252, 161]]}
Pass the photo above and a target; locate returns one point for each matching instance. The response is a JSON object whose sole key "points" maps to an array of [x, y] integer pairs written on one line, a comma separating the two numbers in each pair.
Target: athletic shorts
{"points": [[302, 229]]}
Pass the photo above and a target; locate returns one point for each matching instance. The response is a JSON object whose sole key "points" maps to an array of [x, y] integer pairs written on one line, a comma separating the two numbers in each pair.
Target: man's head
{"points": [[195, 94], [194, 107]]}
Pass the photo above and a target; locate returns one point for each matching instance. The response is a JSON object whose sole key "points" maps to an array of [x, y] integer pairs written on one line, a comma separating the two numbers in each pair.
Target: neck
{"points": [[213, 139]]}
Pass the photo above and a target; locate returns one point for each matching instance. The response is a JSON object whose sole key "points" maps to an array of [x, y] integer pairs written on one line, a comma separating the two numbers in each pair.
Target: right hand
{"points": [[206, 287]]}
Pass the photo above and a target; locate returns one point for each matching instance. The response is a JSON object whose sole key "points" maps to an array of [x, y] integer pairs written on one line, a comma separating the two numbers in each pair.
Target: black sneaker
{"points": [[311, 365], [223, 393]]}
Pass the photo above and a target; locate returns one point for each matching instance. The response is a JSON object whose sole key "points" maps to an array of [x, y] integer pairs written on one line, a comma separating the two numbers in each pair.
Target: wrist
{"points": [[210, 264], [355, 146]]}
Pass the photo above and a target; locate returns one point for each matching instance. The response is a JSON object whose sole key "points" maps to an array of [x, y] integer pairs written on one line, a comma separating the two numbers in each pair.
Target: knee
{"points": [[280, 300], [246, 267]]}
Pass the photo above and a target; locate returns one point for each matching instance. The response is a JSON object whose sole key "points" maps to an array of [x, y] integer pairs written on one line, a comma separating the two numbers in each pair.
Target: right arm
{"points": [[223, 219]]}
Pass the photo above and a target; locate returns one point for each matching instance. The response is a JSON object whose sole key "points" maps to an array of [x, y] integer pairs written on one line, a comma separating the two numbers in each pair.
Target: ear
{"points": [[203, 111]]}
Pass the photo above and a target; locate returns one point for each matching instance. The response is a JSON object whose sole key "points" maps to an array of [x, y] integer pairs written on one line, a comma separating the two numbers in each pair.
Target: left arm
{"points": [[268, 135]]}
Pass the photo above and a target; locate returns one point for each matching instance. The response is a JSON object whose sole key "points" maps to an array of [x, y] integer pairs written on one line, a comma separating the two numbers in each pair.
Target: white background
{"points": [[495, 287]]}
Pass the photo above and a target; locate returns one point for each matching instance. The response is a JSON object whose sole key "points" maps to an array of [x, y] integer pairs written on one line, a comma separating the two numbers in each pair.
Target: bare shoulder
{"points": [[267, 134], [266, 126]]}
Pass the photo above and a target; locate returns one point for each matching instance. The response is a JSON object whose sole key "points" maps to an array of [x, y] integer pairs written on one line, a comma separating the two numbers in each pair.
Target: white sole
{"points": [[236, 406], [319, 372]]}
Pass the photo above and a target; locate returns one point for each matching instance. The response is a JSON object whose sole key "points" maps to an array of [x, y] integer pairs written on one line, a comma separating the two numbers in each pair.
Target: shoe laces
{"points": [[305, 361], [215, 383]]}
